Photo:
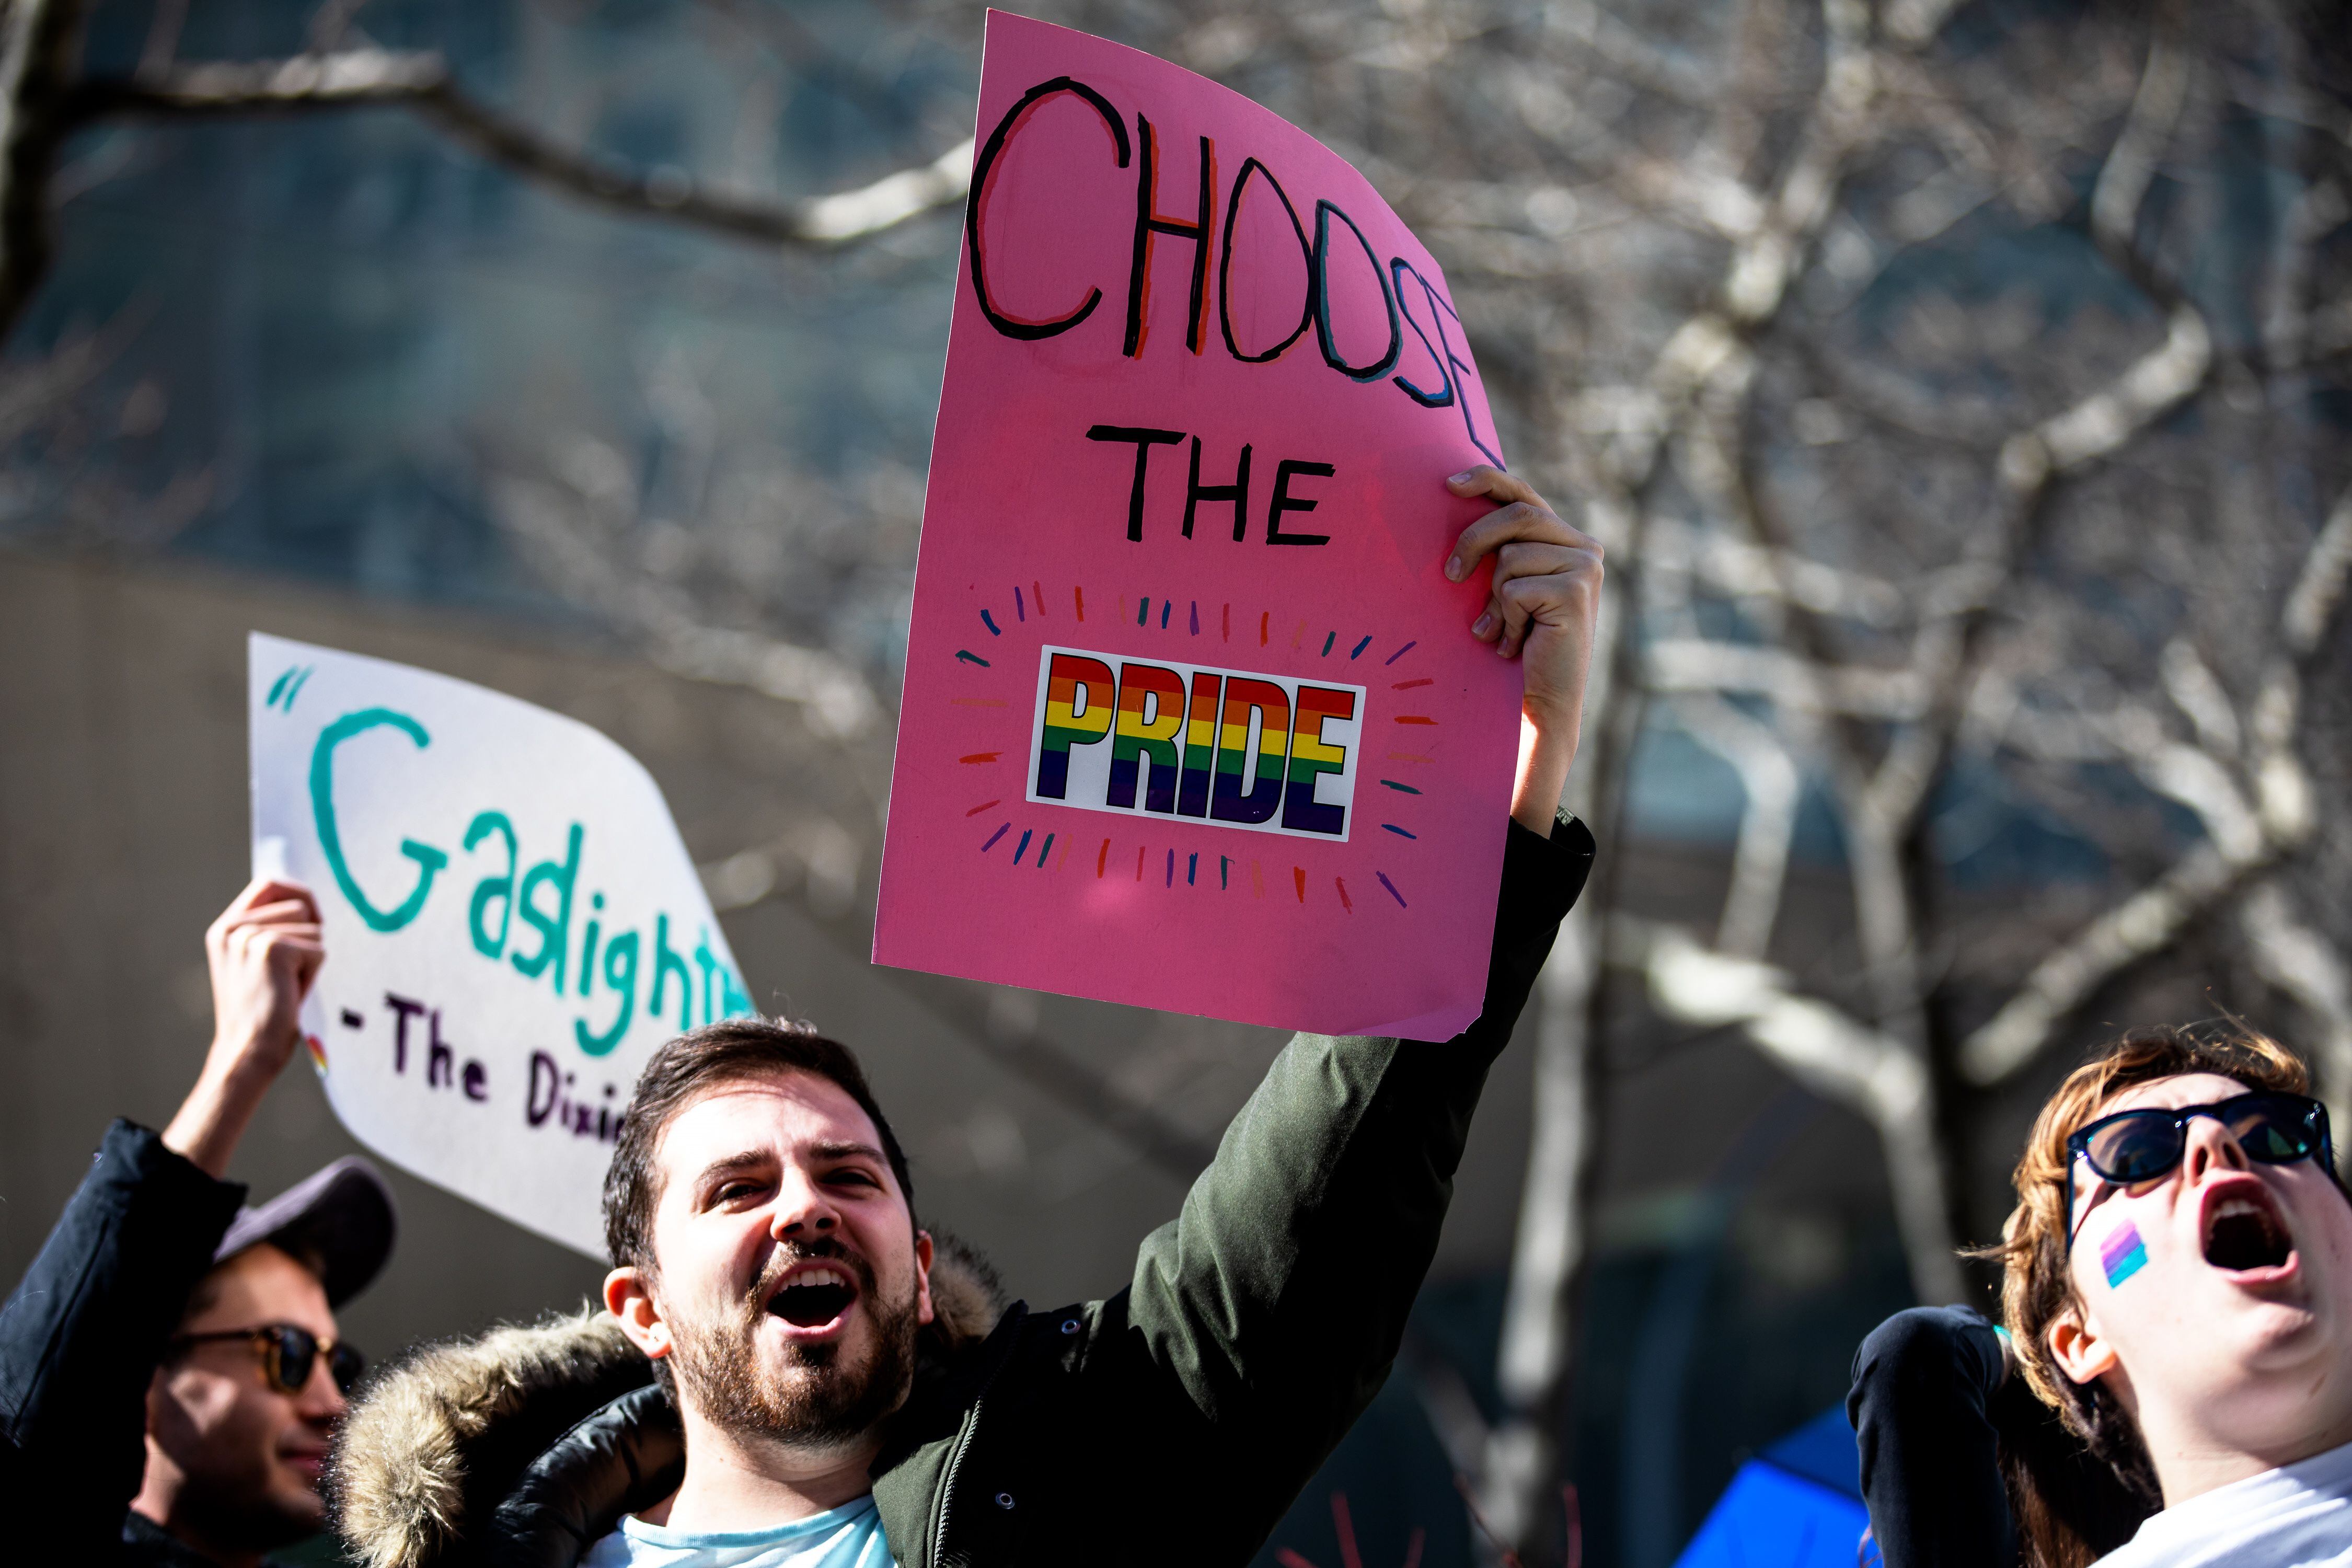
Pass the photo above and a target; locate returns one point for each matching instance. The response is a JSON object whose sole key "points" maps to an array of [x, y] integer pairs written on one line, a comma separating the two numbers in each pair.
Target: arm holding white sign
{"points": [[263, 953], [170, 1366]]}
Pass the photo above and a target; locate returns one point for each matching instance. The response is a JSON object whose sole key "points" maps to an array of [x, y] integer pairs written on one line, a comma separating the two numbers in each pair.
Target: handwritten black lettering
{"points": [[403, 1008], [1144, 440], [1324, 212], [1148, 222], [1225, 266], [1195, 492], [983, 170], [1284, 501]]}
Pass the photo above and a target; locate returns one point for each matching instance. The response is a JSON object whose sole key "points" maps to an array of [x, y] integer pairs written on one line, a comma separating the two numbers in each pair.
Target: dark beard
{"points": [[815, 1400]]}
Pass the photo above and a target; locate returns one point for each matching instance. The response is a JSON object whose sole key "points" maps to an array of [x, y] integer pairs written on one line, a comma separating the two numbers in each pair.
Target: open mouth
{"points": [[2245, 1231], [813, 1295]]}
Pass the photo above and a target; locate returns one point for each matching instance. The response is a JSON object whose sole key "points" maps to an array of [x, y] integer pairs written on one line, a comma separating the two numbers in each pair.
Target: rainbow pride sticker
{"points": [[2123, 1254], [318, 1053]]}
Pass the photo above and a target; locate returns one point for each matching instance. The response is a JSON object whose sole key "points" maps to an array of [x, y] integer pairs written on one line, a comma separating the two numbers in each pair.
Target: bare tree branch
{"points": [[839, 701], [1767, 825], [1738, 569], [39, 42], [1943, 661], [2093, 428], [1791, 680], [2243, 839], [1532, 1358], [330, 24], [2102, 423], [422, 81], [1708, 352], [2199, 695], [1760, 268], [2292, 956], [1875, 1073], [2125, 177], [163, 27], [1627, 54], [44, 98], [2137, 929], [2318, 590]]}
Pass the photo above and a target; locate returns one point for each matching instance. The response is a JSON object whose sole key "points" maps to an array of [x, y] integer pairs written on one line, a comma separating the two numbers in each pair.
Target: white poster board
{"points": [[512, 923]]}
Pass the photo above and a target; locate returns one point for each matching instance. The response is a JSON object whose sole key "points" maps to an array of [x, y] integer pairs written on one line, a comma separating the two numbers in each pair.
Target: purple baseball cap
{"points": [[339, 1223]]}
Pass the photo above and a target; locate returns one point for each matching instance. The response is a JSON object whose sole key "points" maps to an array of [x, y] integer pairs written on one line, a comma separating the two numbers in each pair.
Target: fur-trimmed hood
{"points": [[436, 1443]]}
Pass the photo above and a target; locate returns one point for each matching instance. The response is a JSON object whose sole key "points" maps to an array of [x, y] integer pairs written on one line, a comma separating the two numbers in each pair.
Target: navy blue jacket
{"points": [[81, 1338], [1940, 1419]]}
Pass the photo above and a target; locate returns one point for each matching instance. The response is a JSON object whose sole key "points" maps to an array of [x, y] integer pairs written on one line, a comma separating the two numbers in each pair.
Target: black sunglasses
{"points": [[289, 1354], [2134, 1146]]}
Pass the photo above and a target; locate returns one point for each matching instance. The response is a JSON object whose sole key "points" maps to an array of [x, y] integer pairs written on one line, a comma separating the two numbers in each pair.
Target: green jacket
{"points": [[1174, 1422]]}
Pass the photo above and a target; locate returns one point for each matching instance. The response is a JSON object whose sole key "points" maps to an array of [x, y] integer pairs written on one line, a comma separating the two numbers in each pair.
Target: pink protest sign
{"points": [[1192, 718]]}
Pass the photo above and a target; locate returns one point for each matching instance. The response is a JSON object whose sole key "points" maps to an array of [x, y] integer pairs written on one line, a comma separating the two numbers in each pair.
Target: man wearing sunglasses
{"points": [[170, 1372], [2178, 1294]]}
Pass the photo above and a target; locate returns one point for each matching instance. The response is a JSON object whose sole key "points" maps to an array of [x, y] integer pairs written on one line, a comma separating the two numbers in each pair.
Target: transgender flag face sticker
{"points": [[2123, 1254]]}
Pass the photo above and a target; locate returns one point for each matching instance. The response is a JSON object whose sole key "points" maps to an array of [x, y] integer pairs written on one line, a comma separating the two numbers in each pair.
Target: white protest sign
{"points": [[512, 923]]}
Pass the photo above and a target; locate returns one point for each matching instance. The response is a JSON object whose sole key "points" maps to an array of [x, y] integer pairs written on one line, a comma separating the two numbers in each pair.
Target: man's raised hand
{"points": [[1544, 604], [263, 954]]}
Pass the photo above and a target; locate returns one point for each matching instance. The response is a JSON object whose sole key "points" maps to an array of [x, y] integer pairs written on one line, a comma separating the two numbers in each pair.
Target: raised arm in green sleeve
{"points": [[1276, 1302]]}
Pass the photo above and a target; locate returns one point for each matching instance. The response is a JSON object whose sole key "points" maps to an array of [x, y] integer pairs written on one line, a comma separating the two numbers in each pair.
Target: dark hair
{"points": [[206, 1291], [2063, 1517], [728, 1051]]}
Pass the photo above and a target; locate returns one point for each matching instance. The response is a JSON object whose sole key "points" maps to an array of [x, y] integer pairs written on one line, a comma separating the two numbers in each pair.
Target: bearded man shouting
{"points": [[834, 1389]]}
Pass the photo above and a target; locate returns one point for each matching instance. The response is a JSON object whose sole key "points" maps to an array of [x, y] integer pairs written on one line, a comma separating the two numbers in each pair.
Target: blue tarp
{"points": [[1797, 1505], [1822, 1450]]}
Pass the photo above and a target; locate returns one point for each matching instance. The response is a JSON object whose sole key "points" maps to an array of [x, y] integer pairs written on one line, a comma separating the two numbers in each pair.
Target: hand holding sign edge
{"points": [[263, 954], [1543, 604]]}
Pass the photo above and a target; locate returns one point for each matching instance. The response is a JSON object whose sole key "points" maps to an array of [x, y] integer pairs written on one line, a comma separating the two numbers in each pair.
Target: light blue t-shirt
{"points": [[849, 1536]]}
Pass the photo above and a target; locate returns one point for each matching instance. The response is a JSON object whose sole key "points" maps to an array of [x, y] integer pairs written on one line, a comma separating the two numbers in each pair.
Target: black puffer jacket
{"points": [[80, 1342]]}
